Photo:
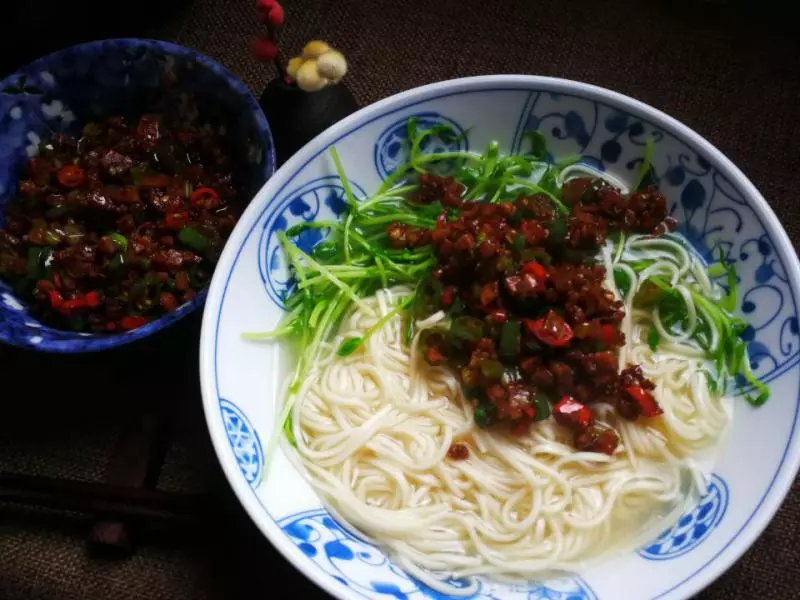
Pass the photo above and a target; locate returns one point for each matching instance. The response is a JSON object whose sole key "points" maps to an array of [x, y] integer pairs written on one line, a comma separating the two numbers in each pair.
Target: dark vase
{"points": [[296, 117]]}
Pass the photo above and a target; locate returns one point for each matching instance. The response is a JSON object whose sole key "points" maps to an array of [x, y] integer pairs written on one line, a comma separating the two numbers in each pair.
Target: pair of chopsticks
{"points": [[101, 499]]}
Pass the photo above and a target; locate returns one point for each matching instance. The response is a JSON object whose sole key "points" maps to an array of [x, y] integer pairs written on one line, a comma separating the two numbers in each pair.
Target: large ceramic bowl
{"points": [[63, 91], [714, 202]]}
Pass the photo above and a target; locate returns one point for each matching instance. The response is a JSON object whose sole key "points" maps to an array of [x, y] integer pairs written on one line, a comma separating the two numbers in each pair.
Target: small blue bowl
{"points": [[63, 91]]}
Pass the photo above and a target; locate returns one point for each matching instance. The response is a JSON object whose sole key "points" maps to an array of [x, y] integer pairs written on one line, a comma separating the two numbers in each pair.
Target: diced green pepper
{"points": [[510, 336], [542, 405], [194, 239], [119, 239], [349, 346], [653, 338], [623, 281], [467, 328], [492, 369], [484, 414]]}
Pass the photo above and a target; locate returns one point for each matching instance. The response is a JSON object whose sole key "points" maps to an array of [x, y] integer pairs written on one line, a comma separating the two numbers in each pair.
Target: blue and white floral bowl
{"points": [[714, 202], [63, 91]]}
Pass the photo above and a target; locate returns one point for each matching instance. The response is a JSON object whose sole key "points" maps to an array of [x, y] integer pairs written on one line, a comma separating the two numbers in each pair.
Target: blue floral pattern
{"points": [[244, 442], [693, 527], [711, 212], [319, 199], [366, 570], [64, 90], [392, 147]]}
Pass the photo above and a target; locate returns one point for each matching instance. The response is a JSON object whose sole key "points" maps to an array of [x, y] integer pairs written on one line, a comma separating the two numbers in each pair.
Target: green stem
{"points": [[295, 251], [348, 191], [350, 345], [394, 193], [647, 161], [399, 218], [347, 227]]}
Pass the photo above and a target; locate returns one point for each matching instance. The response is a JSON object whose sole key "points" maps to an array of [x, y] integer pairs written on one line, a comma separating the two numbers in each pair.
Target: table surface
{"points": [[728, 71]]}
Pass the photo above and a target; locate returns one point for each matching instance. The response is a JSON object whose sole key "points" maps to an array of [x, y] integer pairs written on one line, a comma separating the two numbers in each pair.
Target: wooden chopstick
{"points": [[100, 499]]}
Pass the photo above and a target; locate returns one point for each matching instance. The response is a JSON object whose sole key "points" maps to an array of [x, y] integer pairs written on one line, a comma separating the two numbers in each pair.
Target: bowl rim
{"points": [[787, 469], [75, 342]]}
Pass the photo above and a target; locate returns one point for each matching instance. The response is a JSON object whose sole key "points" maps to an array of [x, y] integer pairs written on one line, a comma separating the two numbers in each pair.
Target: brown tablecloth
{"points": [[729, 71]]}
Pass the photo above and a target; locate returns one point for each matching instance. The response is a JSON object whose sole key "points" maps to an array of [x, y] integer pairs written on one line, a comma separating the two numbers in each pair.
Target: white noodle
{"points": [[373, 430]]}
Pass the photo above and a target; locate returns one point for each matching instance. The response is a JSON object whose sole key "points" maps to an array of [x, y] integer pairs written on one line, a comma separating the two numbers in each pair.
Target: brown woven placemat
{"points": [[729, 72]]}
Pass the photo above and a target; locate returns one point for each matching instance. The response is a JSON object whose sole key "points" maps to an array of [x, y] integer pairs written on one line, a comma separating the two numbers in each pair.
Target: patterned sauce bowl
{"points": [[63, 91], [715, 205]]}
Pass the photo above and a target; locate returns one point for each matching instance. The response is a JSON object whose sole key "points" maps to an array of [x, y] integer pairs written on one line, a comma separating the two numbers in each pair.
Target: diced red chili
{"points": [[71, 176], [609, 334], [489, 293], [56, 300], [647, 403], [552, 330], [93, 299], [132, 322], [205, 197], [448, 295], [72, 304], [535, 269], [434, 356], [570, 413], [176, 221]]}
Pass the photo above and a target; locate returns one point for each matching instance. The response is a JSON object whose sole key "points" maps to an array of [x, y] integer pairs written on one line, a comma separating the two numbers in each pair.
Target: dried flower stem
{"points": [[272, 34]]}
